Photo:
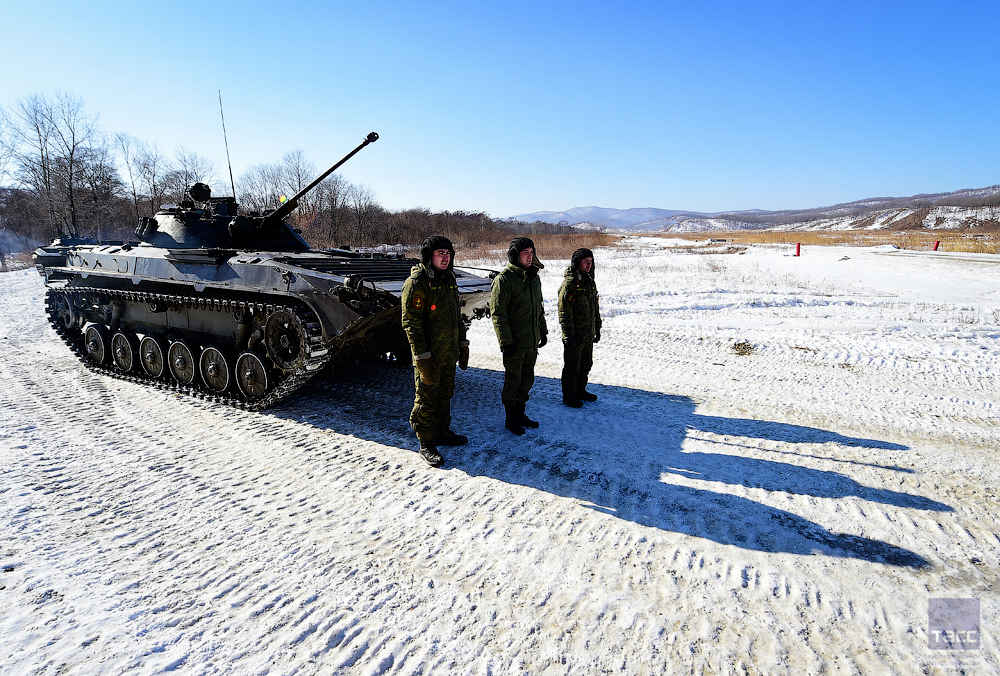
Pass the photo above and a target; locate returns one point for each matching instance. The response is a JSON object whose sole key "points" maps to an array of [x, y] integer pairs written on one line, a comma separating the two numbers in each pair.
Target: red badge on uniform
{"points": [[418, 302], [434, 307]]}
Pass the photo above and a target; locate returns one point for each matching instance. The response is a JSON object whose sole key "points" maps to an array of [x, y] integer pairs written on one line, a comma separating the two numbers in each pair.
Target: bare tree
{"points": [[296, 172], [263, 186], [152, 167], [331, 205], [51, 135], [130, 150], [22, 217], [259, 188], [6, 149], [101, 180], [190, 168], [363, 209], [73, 132], [32, 131], [6, 144]]}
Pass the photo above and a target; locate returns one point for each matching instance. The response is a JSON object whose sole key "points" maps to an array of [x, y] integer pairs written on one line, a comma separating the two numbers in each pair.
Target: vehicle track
{"points": [[314, 355]]}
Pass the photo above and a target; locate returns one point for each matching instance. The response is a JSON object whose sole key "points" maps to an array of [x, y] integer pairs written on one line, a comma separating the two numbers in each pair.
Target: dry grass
{"points": [[16, 261], [549, 247], [919, 240]]}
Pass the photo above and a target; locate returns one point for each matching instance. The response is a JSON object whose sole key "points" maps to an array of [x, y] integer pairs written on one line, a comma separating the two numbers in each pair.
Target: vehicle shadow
{"points": [[635, 455]]}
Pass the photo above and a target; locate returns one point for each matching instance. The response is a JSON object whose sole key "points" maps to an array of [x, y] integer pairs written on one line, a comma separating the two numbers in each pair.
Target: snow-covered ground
{"points": [[793, 510]]}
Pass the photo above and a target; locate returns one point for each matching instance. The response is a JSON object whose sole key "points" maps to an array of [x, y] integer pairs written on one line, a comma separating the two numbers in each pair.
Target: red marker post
{"points": [[798, 249], [936, 244]]}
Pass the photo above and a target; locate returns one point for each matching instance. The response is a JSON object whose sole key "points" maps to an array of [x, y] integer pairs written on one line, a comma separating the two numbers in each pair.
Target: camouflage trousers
{"points": [[577, 362], [432, 403], [518, 377]]}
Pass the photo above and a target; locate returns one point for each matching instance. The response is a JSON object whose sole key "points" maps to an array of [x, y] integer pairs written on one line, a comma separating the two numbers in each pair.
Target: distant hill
{"points": [[975, 207], [620, 219]]}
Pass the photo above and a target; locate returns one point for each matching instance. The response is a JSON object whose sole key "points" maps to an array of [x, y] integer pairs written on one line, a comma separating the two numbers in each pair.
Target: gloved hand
{"points": [[426, 370], [569, 342], [508, 350], [544, 340], [463, 357], [597, 336]]}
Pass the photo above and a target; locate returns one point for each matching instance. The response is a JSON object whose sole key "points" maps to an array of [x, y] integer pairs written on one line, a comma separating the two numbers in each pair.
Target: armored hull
{"points": [[236, 308]]}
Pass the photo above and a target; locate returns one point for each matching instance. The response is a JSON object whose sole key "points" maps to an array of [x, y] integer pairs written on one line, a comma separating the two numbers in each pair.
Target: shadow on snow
{"points": [[625, 456]]}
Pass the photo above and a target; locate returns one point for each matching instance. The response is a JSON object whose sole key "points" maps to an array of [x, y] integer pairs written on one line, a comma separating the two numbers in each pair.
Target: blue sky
{"points": [[517, 106]]}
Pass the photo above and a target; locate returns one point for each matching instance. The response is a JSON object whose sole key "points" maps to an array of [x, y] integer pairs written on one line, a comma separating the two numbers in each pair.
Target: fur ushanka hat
{"points": [[432, 244], [519, 244], [579, 255]]}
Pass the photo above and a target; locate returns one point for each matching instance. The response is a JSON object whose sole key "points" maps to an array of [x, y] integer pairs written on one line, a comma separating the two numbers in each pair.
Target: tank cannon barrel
{"points": [[289, 206]]}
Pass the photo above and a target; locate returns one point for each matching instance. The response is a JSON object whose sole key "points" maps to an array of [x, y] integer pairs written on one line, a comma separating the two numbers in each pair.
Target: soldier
{"points": [[580, 320], [519, 320], [436, 333]]}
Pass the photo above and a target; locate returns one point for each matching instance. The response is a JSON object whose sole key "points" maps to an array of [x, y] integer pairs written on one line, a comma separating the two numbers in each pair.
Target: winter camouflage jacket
{"points": [[516, 308], [579, 309], [431, 316]]}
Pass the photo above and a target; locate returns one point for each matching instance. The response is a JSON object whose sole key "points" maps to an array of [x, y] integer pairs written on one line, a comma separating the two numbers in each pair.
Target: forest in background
{"points": [[62, 175]]}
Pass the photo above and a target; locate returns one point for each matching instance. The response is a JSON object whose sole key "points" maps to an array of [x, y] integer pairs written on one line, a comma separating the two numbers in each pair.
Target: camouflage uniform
{"points": [[580, 321], [434, 328], [519, 320]]}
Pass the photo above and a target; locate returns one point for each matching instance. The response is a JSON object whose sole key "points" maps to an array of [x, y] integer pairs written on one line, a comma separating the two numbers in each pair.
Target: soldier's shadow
{"points": [[625, 455]]}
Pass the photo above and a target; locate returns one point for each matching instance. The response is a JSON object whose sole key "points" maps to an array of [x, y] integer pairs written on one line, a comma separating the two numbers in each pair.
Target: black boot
{"points": [[447, 437], [572, 402], [526, 421], [513, 422], [430, 453], [584, 395]]}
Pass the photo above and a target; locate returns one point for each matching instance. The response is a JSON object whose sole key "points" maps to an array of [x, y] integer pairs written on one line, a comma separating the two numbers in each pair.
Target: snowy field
{"points": [[792, 507]]}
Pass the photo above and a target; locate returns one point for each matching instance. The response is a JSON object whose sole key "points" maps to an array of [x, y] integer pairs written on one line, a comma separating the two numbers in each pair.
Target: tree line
{"points": [[62, 175]]}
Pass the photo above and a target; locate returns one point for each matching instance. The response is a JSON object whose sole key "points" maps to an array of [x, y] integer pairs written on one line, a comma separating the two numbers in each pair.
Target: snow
{"points": [[877, 213], [936, 218], [788, 511]]}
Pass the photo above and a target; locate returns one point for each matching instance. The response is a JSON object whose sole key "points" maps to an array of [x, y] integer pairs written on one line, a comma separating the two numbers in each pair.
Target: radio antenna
{"points": [[231, 181]]}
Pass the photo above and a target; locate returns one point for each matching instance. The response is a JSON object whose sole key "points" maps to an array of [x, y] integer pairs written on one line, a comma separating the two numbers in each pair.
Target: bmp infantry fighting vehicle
{"points": [[236, 308]]}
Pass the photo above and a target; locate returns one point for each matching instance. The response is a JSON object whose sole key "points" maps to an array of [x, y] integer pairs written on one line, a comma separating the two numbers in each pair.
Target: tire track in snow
{"points": [[310, 536]]}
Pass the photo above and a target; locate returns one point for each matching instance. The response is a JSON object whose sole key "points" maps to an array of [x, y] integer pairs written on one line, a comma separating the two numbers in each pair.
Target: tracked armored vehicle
{"points": [[235, 308]]}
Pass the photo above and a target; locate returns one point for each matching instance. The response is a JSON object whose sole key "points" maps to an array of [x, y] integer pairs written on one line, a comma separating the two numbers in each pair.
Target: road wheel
{"points": [[251, 375], [181, 362], [95, 341], [124, 350], [151, 356], [214, 369]]}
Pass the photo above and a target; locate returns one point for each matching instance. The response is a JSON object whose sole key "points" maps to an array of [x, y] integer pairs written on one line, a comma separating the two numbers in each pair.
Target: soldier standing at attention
{"points": [[519, 320], [436, 333], [580, 320]]}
